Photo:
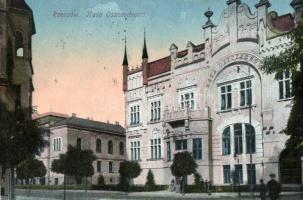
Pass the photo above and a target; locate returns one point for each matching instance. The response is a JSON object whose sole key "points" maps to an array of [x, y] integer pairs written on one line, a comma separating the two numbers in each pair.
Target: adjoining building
{"points": [[106, 140], [199, 99], [16, 29]]}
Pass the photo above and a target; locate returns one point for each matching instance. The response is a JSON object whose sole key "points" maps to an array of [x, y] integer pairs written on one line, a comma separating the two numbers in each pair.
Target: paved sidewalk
{"points": [[101, 195]]}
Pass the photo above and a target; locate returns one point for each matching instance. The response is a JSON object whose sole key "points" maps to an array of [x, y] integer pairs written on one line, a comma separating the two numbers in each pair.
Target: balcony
{"points": [[171, 115]]}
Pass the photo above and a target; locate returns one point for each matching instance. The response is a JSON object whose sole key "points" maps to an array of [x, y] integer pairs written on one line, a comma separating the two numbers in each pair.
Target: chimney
{"points": [[117, 123], [74, 115]]}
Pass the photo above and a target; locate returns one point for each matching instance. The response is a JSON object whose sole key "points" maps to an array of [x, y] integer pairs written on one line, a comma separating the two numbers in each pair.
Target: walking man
{"points": [[274, 188], [263, 190]]}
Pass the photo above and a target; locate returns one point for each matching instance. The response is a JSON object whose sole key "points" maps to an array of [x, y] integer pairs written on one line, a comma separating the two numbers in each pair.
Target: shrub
{"points": [[150, 182]]}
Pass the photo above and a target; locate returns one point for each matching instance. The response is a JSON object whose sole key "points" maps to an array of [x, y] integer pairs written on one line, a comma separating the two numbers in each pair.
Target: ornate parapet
{"points": [[185, 114]]}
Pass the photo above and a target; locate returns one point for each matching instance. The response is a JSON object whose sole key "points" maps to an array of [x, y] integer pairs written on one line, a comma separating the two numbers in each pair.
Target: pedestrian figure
{"points": [[172, 185], [263, 190], [182, 185], [274, 188]]}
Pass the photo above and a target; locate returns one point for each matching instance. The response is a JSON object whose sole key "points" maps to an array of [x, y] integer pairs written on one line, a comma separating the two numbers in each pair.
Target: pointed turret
{"points": [[144, 52], [144, 61], [125, 68], [125, 61]]}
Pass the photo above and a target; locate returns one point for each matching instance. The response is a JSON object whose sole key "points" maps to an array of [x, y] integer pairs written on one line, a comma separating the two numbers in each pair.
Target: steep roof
{"points": [[91, 125], [281, 24], [159, 66]]}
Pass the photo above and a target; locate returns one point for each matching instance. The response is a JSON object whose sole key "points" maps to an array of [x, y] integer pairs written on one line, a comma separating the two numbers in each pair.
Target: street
{"points": [[98, 195]]}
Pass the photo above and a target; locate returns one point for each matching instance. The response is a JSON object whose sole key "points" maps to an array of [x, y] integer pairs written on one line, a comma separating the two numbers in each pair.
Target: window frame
{"points": [[226, 97], [182, 143], [99, 166], [226, 141], [226, 177], [285, 85], [111, 167], [110, 147], [57, 144], [98, 145], [197, 148], [246, 93]]}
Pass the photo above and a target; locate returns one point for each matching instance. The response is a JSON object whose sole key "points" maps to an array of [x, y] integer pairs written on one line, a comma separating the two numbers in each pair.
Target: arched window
{"points": [[98, 146], [250, 139], [110, 147], [19, 44], [226, 141], [238, 138], [121, 148]]}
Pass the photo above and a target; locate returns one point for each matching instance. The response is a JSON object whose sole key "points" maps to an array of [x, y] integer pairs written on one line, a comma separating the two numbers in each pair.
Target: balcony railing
{"points": [[182, 114]]}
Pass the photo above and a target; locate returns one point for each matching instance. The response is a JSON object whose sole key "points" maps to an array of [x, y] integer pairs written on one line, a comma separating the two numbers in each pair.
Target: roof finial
{"points": [[125, 61], [144, 53], [208, 14]]}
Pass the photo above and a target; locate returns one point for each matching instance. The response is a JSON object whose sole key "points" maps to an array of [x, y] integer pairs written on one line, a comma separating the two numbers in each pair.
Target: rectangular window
{"points": [[238, 174], [187, 100], [111, 167], [285, 85], [138, 150], [226, 97], [135, 150], [251, 173], [134, 115], [245, 93], [99, 167], [155, 111], [181, 144], [57, 144], [197, 148], [226, 173], [132, 151], [226, 141], [168, 153], [238, 138], [155, 148], [250, 139]]}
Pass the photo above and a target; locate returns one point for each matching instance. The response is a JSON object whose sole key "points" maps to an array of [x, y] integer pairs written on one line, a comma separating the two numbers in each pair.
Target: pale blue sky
{"points": [[77, 60]]}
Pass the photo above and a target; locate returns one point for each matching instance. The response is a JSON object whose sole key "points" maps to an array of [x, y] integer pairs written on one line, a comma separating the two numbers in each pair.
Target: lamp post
{"points": [[238, 174]]}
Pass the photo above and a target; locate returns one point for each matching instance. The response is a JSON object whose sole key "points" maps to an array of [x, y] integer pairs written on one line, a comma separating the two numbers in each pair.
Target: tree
{"points": [[16, 128], [290, 59], [30, 168], [129, 170], [75, 162], [150, 182], [183, 165]]}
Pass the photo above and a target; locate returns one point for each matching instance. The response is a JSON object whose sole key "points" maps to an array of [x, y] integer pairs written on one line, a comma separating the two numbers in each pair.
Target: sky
{"points": [[77, 60]]}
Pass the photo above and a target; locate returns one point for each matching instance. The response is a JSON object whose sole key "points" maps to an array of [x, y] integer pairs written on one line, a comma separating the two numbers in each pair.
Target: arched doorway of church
{"points": [[290, 167]]}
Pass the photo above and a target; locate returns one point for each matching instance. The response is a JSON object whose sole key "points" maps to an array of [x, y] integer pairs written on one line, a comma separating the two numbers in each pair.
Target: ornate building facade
{"points": [[16, 29], [213, 101]]}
